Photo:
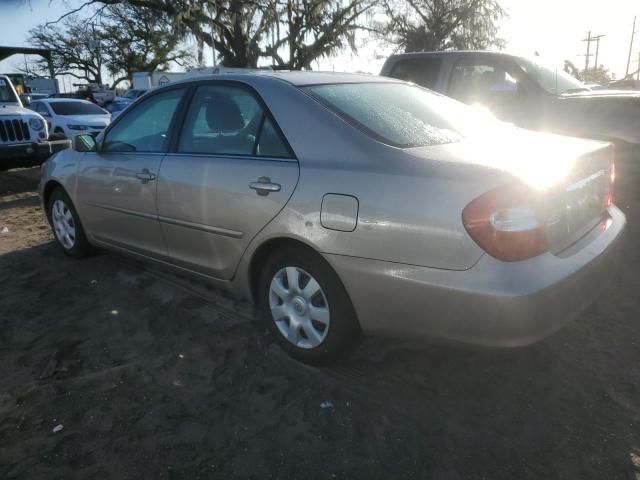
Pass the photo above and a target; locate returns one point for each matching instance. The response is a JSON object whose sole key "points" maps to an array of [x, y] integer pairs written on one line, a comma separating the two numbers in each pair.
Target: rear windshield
{"points": [[397, 114], [76, 108]]}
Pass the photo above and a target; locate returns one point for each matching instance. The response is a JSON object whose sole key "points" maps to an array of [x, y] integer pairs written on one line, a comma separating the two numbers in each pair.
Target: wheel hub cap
{"points": [[63, 224], [299, 307]]}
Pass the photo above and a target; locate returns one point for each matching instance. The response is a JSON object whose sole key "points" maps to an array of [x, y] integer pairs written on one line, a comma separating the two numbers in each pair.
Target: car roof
{"points": [[297, 78], [448, 53]]}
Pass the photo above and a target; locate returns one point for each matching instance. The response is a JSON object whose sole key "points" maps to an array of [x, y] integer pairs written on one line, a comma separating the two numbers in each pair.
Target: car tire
{"points": [[66, 226], [314, 325]]}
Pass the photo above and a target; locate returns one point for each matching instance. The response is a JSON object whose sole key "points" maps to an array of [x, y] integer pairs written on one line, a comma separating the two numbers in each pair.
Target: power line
{"points": [[591, 38]]}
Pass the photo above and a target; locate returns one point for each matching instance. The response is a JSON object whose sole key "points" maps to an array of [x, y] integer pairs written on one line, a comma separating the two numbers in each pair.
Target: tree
{"points": [[416, 25], [291, 33], [74, 50], [139, 40], [599, 74], [313, 29], [119, 39]]}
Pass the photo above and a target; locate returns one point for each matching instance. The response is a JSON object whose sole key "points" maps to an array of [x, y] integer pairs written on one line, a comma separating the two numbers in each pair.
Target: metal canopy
{"points": [[6, 52]]}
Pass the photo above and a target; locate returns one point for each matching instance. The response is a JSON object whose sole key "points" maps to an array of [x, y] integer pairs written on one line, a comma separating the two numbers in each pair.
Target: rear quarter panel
{"points": [[409, 207]]}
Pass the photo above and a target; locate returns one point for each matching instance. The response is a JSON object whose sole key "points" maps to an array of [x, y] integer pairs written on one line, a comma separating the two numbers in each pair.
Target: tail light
{"points": [[504, 223], [608, 200]]}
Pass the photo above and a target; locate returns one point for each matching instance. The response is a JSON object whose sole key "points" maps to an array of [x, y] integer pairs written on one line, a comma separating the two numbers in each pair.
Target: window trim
{"points": [[266, 112], [140, 100]]}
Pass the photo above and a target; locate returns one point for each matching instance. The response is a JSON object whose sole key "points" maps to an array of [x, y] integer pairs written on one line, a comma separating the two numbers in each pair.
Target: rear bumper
{"points": [[493, 303], [30, 153]]}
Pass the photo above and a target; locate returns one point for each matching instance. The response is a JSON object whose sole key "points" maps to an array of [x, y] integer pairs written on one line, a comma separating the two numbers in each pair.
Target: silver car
{"points": [[347, 204]]}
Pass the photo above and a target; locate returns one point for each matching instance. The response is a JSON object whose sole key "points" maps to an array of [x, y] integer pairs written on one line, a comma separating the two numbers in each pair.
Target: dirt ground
{"points": [[154, 376]]}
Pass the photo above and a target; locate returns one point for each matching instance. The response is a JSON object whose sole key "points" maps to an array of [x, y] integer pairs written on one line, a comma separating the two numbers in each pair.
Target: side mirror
{"points": [[85, 143]]}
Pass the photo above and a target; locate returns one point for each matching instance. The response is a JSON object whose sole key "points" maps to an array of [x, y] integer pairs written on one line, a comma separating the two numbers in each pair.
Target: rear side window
{"points": [[398, 114], [270, 143], [228, 120], [423, 71]]}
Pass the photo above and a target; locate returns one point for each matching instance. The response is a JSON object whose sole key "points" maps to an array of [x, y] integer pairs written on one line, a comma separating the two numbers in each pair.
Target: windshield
{"points": [[401, 114], [6, 92], [553, 80], [76, 108]]}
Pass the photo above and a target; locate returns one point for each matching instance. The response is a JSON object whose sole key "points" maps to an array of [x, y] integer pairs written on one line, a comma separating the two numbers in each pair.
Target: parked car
{"points": [[70, 117], [24, 136], [34, 96], [134, 93], [524, 91], [120, 103], [596, 86], [343, 204], [88, 96]]}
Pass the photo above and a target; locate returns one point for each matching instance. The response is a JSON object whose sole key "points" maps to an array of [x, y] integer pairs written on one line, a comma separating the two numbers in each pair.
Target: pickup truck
{"points": [[24, 136], [525, 92]]}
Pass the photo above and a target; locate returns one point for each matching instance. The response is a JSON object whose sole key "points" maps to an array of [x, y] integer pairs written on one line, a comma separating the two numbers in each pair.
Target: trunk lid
{"points": [[579, 204], [569, 178]]}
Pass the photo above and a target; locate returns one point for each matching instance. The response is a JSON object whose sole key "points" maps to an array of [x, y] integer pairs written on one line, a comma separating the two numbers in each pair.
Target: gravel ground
{"points": [[113, 369]]}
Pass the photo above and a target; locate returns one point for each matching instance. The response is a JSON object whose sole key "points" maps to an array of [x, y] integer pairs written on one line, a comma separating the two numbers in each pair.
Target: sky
{"points": [[553, 28]]}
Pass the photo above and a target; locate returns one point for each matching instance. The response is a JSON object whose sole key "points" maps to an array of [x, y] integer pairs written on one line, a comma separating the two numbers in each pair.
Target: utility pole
{"points": [[597, 39], [633, 33], [638, 71], [586, 57]]}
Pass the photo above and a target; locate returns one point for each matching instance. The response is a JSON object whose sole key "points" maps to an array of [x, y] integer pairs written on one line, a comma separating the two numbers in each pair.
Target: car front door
{"points": [[232, 171], [117, 185]]}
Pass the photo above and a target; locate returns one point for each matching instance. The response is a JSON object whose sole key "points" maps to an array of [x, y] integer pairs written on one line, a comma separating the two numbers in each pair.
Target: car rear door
{"points": [[117, 185], [230, 172]]}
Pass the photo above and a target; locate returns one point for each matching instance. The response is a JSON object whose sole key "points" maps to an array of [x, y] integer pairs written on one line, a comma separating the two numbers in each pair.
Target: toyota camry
{"points": [[347, 204]]}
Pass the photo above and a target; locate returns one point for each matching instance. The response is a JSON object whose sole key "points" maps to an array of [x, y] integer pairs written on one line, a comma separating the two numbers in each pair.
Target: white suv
{"points": [[24, 137]]}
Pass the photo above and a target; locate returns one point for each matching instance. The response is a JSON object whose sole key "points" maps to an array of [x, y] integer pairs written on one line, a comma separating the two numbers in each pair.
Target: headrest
{"points": [[222, 113]]}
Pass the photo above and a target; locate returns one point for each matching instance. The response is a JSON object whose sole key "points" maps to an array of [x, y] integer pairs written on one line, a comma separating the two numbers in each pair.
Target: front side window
{"points": [[398, 114], [228, 120], [145, 127], [423, 71], [476, 80]]}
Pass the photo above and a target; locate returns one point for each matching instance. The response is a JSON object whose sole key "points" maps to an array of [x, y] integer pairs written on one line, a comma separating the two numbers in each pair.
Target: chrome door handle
{"points": [[264, 186], [145, 175]]}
